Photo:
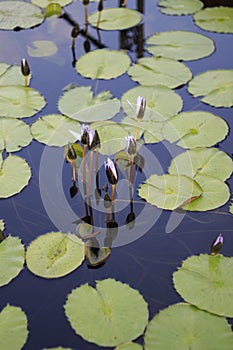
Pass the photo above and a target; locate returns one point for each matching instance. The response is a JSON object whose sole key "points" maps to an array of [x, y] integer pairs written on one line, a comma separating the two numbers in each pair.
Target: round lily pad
{"points": [[216, 19], [180, 45], [169, 191], [15, 174], [195, 129], [11, 75], [103, 64], [115, 18], [129, 346], [14, 134], [19, 14], [12, 259], [151, 71], [215, 85], [180, 7], [42, 48], [206, 281], [189, 328], [54, 130], [13, 328], [80, 104], [108, 315], [54, 254]]}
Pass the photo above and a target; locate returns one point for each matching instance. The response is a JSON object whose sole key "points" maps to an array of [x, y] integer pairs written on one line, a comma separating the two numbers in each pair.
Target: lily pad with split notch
{"points": [[14, 134], [216, 19], [180, 7]]}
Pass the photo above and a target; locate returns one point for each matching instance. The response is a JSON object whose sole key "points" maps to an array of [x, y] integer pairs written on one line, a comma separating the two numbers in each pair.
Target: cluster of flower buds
{"points": [[89, 137]]}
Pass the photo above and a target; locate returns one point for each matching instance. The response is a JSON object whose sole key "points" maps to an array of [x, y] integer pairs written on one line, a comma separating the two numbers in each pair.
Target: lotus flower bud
{"points": [[111, 171], [84, 134], [71, 154], [141, 106], [131, 145], [75, 31], [25, 67], [216, 245]]}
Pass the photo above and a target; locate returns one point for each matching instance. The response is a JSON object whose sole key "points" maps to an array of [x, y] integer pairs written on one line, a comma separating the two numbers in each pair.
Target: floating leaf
{"points": [[216, 19], [11, 258], [13, 328], [169, 191], [109, 315], [180, 45], [53, 9], [189, 328], [151, 71], [14, 134], [45, 3], [30, 15], [15, 174], [129, 346], [80, 104], [115, 18], [215, 85], [231, 208], [195, 129], [207, 161], [180, 7], [42, 48], [103, 64], [11, 75], [54, 254], [58, 348], [54, 130]]}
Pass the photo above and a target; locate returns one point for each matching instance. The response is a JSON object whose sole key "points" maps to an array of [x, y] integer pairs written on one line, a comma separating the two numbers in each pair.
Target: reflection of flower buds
{"points": [[25, 67], [131, 145], [216, 245], [71, 154], [111, 171], [75, 31], [86, 45], [141, 106], [84, 134]]}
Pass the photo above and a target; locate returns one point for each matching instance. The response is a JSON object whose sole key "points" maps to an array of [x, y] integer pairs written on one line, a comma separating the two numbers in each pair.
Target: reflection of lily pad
{"points": [[42, 48], [45, 3], [103, 64], [180, 7], [54, 254], [12, 259], [11, 75], [195, 129], [129, 346], [169, 191], [109, 315], [80, 104], [215, 85], [216, 19], [180, 45], [115, 18], [150, 71], [189, 328], [14, 134], [206, 281]]}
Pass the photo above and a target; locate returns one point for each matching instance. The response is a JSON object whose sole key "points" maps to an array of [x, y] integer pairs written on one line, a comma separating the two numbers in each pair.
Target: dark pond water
{"points": [[146, 263]]}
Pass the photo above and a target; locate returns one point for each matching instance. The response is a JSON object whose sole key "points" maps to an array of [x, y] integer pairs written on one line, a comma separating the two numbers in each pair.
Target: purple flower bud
{"points": [[91, 135], [216, 245], [111, 171], [141, 106], [131, 145], [84, 134]]}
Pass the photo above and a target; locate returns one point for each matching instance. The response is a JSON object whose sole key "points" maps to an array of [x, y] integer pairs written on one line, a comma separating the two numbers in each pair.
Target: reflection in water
{"points": [[213, 3]]}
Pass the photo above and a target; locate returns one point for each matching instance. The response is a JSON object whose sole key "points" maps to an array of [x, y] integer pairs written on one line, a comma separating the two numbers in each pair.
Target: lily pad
{"points": [[215, 85], [108, 315], [115, 18], [216, 19], [169, 191], [231, 208], [151, 71], [19, 14], [2, 225], [103, 64], [54, 254], [129, 346], [80, 104], [53, 9], [14, 134], [151, 130], [11, 75], [42, 48], [13, 328], [45, 3], [206, 281], [15, 174], [54, 130], [189, 328], [195, 129], [180, 45], [180, 7], [11, 258], [94, 254], [58, 348]]}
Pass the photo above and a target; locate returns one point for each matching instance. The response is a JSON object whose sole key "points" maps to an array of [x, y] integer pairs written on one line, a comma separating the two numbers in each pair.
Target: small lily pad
{"points": [[180, 7], [42, 48], [53, 9], [103, 64], [45, 3], [151, 71], [11, 75], [14, 134], [54, 254], [216, 19], [108, 315]]}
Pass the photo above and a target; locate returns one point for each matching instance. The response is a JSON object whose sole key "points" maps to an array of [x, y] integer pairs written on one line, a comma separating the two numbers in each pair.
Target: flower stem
{"points": [[90, 174], [137, 128], [113, 193]]}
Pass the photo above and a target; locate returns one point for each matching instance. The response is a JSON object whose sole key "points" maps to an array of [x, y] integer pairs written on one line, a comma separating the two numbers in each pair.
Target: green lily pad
{"points": [[169, 191], [58, 348], [129, 346], [180, 45], [11, 75], [2, 225], [53, 9], [151, 130], [14, 134], [215, 85], [206, 281], [215, 19], [54, 129], [80, 104], [13, 328], [103, 64], [108, 315], [54, 254], [151, 71], [20, 102], [12, 259], [231, 208], [207, 161], [115, 18], [189, 328], [180, 7], [42, 48], [15, 174], [19, 14], [45, 3], [195, 129]]}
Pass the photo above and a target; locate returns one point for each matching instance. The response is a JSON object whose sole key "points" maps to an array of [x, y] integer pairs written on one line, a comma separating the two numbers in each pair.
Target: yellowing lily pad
{"points": [[54, 254], [103, 64], [180, 7], [215, 19], [108, 315], [14, 134], [42, 48]]}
